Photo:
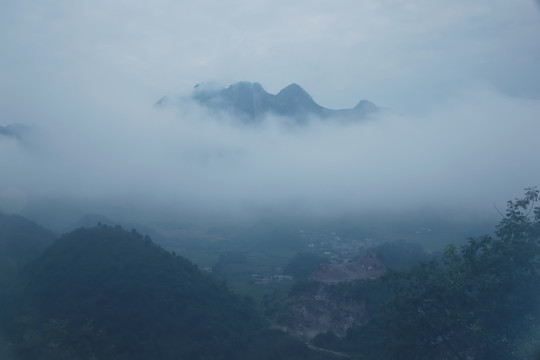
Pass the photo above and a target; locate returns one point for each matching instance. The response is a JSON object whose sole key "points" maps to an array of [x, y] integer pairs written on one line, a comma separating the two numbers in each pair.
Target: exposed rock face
{"points": [[317, 310], [367, 266]]}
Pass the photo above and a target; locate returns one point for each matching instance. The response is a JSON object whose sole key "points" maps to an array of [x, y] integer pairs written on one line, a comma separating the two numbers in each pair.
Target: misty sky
{"points": [[462, 78]]}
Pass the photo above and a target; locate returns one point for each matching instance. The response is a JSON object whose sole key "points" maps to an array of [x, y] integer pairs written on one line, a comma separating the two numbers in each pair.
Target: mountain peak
{"points": [[246, 85], [295, 90], [250, 102], [245, 90], [366, 106]]}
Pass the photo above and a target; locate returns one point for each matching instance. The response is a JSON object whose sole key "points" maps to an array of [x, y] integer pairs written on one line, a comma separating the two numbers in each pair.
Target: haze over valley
{"points": [[187, 159], [456, 133]]}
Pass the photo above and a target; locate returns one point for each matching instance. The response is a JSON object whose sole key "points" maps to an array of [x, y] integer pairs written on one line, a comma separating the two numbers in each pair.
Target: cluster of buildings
{"points": [[338, 249]]}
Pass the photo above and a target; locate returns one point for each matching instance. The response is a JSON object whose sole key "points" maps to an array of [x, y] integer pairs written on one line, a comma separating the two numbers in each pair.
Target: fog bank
{"points": [[473, 151]]}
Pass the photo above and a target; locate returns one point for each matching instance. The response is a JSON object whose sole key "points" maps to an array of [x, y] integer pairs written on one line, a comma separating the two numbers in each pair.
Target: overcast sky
{"points": [[402, 54], [464, 77]]}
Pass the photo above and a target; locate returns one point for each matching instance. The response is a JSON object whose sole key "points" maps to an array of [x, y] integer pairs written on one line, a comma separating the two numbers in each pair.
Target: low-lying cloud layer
{"points": [[478, 149], [85, 74]]}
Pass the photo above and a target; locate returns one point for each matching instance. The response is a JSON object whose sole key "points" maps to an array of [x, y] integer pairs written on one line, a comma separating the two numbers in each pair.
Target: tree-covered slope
{"points": [[479, 301], [109, 293], [106, 293], [21, 240]]}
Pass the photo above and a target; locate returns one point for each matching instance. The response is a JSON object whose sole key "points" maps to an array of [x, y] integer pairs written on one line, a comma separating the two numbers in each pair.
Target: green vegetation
{"points": [[399, 255], [480, 301], [291, 242], [106, 293], [21, 240], [303, 264]]}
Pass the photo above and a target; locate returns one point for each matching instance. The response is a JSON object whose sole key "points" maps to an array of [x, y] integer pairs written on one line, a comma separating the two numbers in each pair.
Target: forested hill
{"points": [[107, 293], [21, 240], [479, 301], [110, 294]]}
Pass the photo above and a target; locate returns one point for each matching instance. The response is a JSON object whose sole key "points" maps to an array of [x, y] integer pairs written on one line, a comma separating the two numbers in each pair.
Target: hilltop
{"points": [[109, 293]]}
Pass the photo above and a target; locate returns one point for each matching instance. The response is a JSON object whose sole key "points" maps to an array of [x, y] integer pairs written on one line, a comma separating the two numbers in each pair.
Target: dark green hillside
{"points": [[478, 301], [109, 292], [20, 241], [106, 293]]}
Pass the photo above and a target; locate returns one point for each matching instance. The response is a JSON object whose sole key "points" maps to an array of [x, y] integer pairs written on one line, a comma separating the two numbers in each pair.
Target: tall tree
{"points": [[480, 301]]}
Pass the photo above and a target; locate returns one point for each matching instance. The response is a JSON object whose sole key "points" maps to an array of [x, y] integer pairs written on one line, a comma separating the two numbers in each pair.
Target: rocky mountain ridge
{"points": [[250, 102]]}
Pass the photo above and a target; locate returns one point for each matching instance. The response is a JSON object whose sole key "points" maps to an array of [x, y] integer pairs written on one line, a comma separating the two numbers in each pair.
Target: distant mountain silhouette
{"points": [[13, 130], [251, 103]]}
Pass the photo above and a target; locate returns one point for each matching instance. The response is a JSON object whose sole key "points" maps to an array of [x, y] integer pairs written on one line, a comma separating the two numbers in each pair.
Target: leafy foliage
{"points": [[105, 293], [399, 255], [303, 264], [480, 301], [21, 240]]}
